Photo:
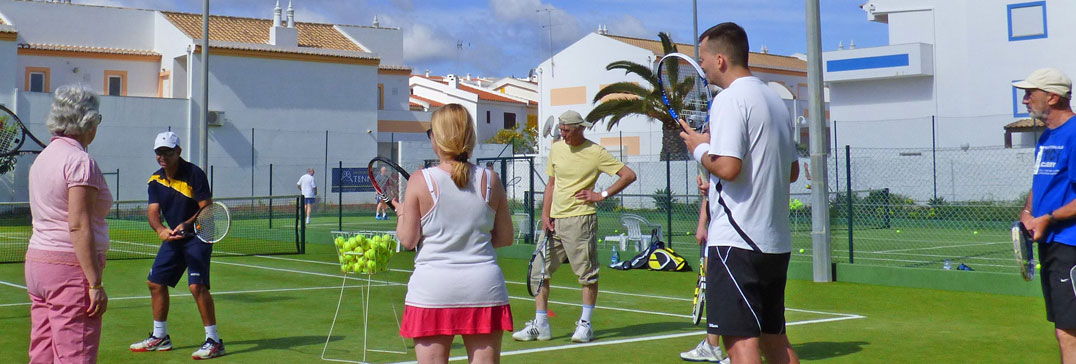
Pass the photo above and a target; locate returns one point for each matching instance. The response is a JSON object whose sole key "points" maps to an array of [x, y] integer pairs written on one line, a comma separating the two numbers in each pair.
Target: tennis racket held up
{"points": [[13, 135], [388, 179], [684, 90]]}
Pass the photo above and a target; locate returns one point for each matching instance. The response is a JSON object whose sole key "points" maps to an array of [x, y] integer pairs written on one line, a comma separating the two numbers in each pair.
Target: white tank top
{"points": [[456, 265]]}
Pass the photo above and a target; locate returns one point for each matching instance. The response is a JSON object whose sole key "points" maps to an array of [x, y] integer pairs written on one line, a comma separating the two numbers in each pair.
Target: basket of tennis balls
{"points": [[365, 253]]}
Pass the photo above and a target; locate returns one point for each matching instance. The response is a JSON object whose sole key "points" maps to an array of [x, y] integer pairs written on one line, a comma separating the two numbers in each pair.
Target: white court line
{"points": [[936, 247], [12, 285], [214, 293], [635, 339], [506, 281]]}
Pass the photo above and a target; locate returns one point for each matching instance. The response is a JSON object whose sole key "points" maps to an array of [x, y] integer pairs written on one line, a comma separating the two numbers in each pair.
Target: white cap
{"points": [[1051, 80], [166, 140]]}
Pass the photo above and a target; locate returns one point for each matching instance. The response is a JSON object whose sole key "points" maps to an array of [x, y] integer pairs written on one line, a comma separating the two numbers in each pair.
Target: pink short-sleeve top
{"points": [[64, 164]]}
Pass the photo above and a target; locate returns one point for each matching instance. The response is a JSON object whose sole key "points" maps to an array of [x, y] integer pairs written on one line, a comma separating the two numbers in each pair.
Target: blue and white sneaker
{"points": [[209, 350], [153, 343]]}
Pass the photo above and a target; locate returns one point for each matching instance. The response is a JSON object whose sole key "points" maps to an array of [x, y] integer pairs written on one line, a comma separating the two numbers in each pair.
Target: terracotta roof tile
{"points": [[488, 96], [88, 49], [762, 60], [250, 30], [1025, 124], [428, 101]]}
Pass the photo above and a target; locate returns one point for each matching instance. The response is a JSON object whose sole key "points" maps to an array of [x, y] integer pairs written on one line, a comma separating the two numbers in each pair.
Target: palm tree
{"points": [[645, 100]]}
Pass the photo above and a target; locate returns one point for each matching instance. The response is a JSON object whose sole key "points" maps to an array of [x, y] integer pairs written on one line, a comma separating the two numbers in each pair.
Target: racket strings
{"points": [[9, 134], [212, 223], [690, 96]]}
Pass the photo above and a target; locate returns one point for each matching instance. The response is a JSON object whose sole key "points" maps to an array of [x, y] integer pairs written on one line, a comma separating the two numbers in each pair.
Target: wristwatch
{"points": [[605, 194]]}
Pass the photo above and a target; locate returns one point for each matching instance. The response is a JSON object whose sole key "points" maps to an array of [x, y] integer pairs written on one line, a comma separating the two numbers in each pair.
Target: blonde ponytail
{"points": [[454, 133]]}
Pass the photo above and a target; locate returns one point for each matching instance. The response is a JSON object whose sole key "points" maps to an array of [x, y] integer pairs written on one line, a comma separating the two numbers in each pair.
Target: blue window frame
{"points": [[1025, 36], [1018, 109]]}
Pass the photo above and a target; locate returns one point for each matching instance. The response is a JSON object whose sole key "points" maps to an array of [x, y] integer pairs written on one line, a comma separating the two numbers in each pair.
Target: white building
{"points": [[947, 72], [293, 94], [570, 79], [491, 110]]}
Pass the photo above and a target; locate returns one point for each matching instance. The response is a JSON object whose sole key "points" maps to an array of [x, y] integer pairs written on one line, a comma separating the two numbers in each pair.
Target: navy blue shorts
{"points": [[310, 200], [174, 257]]}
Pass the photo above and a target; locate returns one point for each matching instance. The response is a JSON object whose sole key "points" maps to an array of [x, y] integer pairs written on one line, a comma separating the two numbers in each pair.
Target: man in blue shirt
{"points": [[1050, 213], [176, 192]]}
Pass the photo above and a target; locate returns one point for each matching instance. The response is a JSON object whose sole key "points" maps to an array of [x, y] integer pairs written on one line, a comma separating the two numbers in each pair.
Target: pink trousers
{"points": [[60, 329]]}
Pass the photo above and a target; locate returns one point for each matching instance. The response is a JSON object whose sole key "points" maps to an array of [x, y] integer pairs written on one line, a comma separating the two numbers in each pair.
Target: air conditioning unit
{"points": [[215, 118]]}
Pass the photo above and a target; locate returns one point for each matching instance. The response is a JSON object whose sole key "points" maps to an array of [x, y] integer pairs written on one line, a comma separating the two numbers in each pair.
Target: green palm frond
{"points": [[622, 88], [631, 67]]}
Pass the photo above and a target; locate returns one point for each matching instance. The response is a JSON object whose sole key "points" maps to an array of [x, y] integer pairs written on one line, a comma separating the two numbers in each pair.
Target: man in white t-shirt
{"points": [[309, 188], [751, 158]]}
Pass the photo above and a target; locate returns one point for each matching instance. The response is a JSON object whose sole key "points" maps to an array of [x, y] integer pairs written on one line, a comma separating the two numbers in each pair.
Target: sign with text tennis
{"points": [[351, 180]]}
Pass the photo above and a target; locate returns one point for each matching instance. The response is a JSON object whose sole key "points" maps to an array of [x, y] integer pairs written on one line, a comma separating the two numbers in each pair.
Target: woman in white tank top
{"points": [[456, 214]]}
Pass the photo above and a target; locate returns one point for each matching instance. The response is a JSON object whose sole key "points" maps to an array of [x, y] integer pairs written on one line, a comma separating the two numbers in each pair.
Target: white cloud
{"points": [[631, 26], [421, 43], [516, 10]]}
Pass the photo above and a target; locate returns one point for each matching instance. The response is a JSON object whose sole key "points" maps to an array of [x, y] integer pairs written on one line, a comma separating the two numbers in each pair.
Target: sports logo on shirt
{"points": [[1047, 159]]}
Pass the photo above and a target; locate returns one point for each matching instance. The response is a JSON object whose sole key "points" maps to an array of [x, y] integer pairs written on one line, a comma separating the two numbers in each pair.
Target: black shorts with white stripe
{"points": [[1058, 261], [745, 292]]}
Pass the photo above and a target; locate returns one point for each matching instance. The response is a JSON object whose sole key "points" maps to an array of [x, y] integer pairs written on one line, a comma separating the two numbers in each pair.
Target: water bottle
{"points": [[616, 255], [947, 265]]}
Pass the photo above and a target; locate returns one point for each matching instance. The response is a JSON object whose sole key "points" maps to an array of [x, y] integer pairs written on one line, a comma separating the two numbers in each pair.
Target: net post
{"points": [[848, 187], [298, 218], [270, 195], [668, 195], [885, 200], [528, 199], [211, 179], [339, 198]]}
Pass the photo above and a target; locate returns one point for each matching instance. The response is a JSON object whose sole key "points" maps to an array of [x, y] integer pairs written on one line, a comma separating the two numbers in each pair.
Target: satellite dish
{"points": [[547, 128]]}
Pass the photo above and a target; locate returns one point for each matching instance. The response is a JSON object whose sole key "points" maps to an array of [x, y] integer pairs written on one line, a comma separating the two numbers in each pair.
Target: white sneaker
{"points": [[583, 332], [705, 353], [210, 349], [532, 331]]}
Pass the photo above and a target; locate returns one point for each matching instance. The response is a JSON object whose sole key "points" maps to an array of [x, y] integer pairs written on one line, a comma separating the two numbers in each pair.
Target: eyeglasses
{"points": [[429, 133], [165, 152]]}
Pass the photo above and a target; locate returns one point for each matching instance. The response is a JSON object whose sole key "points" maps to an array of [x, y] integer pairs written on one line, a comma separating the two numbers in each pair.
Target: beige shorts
{"points": [[576, 240]]}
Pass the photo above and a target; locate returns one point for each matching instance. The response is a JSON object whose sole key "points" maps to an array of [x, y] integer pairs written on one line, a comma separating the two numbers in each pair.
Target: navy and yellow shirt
{"points": [[178, 197]]}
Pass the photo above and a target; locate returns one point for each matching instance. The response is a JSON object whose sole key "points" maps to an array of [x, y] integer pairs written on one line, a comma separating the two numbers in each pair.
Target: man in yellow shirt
{"points": [[568, 212]]}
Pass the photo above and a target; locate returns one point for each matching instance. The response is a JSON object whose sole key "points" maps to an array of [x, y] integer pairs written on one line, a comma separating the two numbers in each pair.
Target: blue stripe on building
{"points": [[866, 63]]}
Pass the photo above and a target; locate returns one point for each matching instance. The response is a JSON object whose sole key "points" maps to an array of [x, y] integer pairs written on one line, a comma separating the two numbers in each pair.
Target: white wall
{"points": [[9, 81], [142, 77], [970, 91], [396, 90], [83, 25], [496, 117], [386, 42]]}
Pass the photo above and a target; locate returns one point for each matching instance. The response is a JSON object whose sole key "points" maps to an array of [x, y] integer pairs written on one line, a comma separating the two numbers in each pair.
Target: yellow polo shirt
{"points": [[575, 169]]}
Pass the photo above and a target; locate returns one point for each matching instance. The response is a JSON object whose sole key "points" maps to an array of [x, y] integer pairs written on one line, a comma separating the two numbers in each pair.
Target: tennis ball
{"points": [[976, 232], [1038, 266], [801, 250], [617, 231], [342, 259], [371, 266], [344, 267], [898, 231]]}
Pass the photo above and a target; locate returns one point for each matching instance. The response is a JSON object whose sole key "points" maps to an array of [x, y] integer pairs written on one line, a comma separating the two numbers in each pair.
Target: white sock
{"points": [[160, 329], [211, 333], [587, 310], [541, 317]]}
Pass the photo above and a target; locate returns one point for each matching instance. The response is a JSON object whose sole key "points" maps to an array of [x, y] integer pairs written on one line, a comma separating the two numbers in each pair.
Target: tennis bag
{"points": [[655, 257]]}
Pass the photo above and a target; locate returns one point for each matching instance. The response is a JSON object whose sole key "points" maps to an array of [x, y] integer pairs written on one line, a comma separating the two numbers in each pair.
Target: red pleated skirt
{"points": [[421, 322]]}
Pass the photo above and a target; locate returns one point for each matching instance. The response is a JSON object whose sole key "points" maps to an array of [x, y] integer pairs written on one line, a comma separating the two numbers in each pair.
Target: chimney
{"points": [[840, 45], [452, 81], [276, 15], [427, 73], [280, 36], [852, 44], [291, 15], [377, 24], [765, 50]]}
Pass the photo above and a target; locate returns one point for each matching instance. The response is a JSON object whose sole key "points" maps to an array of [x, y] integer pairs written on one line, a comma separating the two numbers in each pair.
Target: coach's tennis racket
{"points": [[1021, 250], [684, 89], [13, 135], [389, 180], [698, 305], [536, 274], [211, 223]]}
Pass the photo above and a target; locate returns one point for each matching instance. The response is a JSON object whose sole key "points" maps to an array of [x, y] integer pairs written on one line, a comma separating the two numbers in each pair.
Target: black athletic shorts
{"points": [[745, 292], [1057, 287]]}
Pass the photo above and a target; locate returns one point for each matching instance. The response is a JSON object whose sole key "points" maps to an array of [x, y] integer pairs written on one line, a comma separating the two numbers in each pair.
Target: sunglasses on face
{"points": [[164, 152]]}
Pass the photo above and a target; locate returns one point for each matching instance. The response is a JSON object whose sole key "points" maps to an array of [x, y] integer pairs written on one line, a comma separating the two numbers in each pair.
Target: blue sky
{"points": [[509, 37]]}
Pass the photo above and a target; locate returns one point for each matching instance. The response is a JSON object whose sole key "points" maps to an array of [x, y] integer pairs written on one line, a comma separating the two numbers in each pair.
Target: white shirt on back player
{"points": [[306, 182], [750, 122]]}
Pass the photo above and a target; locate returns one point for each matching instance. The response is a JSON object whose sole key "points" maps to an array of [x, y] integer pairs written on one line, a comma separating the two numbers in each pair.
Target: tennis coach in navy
{"points": [[176, 192]]}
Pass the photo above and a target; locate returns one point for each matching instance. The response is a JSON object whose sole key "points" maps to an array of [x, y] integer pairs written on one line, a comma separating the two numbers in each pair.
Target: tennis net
{"points": [[260, 225]]}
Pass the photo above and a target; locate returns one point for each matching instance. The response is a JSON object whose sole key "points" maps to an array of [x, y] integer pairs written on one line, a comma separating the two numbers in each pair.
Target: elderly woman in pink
{"points": [[68, 201]]}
